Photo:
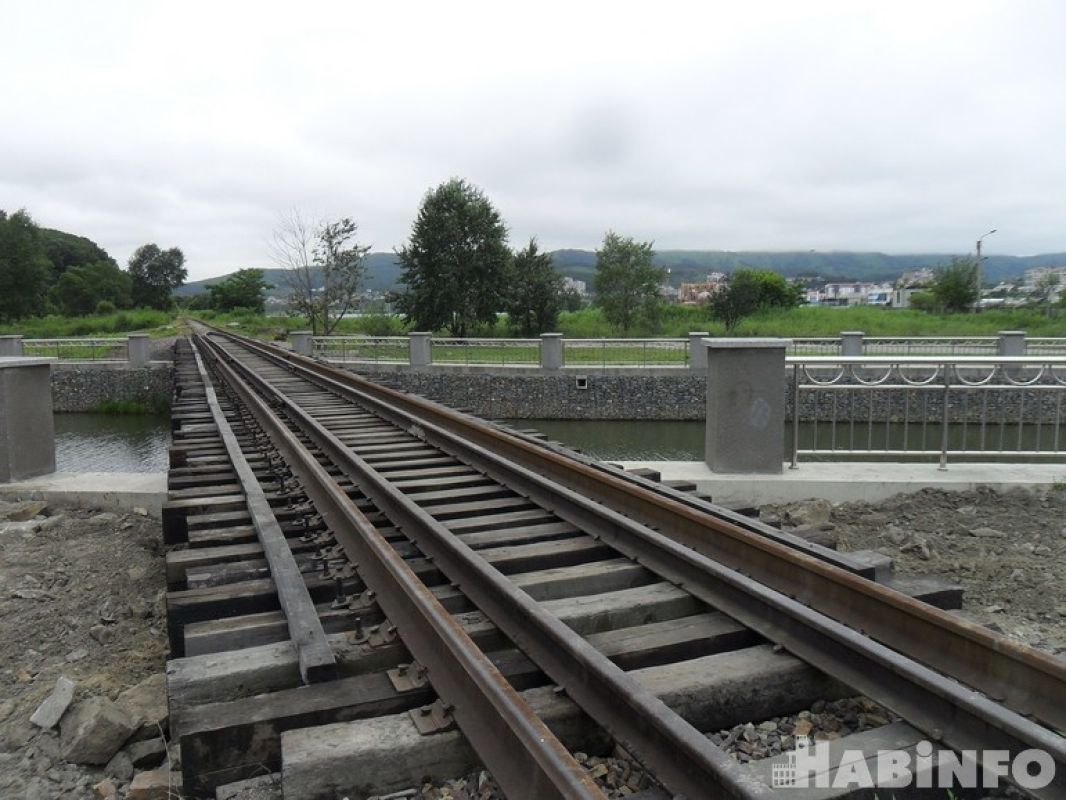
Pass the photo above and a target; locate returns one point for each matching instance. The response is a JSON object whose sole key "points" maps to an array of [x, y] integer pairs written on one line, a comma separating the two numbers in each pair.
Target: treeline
{"points": [[458, 272], [44, 271]]}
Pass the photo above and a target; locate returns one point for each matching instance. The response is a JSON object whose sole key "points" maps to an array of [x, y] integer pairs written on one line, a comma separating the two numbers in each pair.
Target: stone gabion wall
{"points": [[557, 396], [682, 396], [85, 387]]}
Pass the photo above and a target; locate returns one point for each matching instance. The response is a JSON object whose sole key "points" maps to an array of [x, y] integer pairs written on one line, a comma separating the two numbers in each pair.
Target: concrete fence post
{"points": [[697, 351], [1012, 343], [27, 430], [420, 344], [302, 343], [552, 355], [11, 346], [746, 405], [851, 343], [137, 349]]}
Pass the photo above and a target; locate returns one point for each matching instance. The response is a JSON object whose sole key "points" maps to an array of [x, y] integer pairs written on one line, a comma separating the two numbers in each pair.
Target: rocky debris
{"points": [[263, 787], [120, 767], [22, 510], [155, 784], [148, 753], [69, 613], [810, 513], [55, 705], [103, 518], [617, 775], [146, 704], [822, 722], [94, 730], [1005, 549], [821, 534], [105, 790]]}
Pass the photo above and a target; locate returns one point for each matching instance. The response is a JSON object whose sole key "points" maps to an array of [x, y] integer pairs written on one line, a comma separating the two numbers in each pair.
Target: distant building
{"points": [[913, 278], [699, 293], [575, 285], [850, 294]]}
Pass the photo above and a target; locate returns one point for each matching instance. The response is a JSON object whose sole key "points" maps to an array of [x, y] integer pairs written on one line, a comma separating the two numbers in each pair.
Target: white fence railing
{"points": [[970, 406], [554, 351], [78, 349], [626, 352]]}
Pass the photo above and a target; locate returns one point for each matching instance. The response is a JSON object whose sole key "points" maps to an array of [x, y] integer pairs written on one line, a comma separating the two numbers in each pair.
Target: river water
{"points": [[112, 442]]}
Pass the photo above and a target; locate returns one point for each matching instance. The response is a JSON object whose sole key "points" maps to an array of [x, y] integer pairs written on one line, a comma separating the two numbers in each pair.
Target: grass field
{"points": [[677, 321], [138, 320]]}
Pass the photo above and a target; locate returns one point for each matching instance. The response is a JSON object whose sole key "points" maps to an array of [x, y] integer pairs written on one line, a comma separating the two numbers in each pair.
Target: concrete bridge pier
{"points": [[746, 405], [27, 432]]}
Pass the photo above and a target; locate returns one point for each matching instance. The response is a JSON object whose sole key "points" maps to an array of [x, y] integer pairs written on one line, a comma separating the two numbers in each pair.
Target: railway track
{"points": [[470, 595]]}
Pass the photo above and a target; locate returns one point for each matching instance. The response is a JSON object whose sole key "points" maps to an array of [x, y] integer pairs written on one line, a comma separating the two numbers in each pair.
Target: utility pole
{"points": [[977, 303]]}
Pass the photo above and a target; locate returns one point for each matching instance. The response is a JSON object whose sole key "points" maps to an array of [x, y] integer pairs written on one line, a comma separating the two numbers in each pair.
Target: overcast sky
{"points": [[892, 126]]}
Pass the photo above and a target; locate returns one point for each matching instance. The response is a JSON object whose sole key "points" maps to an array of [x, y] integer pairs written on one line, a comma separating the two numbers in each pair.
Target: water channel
{"points": [[112, 442]]}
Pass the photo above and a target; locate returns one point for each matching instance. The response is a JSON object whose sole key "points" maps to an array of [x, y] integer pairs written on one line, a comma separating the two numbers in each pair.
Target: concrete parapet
{"points": [[27, 432], [420, 348], [1012, 343], [851, 343], [746, 405], [697, 351], [551, 351], [10, 346], [301, 342], [138, 353]]}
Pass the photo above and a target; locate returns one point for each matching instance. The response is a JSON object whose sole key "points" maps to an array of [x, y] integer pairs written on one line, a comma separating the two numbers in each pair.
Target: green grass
{"points": [[138, 320], [677, 321]]}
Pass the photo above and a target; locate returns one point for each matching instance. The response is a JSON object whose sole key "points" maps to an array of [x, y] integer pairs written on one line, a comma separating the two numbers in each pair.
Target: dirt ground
{"points": [[1007, 551], [81, 596]]}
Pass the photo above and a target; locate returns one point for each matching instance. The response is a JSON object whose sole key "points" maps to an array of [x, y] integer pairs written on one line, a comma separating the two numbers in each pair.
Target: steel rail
{"points": [[314, 654], [679, 755], [942, 708], [523, 755], [1023, 679]]}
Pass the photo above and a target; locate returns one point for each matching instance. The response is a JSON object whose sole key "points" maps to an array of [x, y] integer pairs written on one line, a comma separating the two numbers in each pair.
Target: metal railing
{"points": [[78, 349], [968, 407], [391, 349], [821, 346], [930, 345], [626, 352], [485, 351]]}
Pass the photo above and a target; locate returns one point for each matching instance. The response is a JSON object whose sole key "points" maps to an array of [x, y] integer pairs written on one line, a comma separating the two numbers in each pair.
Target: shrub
{"points": [[105, 307]]}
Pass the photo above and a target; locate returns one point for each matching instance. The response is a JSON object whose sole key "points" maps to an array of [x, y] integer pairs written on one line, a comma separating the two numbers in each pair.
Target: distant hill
{"points": [[383, 271]]}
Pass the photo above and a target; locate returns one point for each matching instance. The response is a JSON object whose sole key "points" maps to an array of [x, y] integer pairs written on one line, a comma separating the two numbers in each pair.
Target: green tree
{"points": [[751, 290], [66, 250], [955, 285], [24, 267], [324, 267], [534, 292], [243, 289], [626, 281], [455, 264], [155, 274], [80, 289]]}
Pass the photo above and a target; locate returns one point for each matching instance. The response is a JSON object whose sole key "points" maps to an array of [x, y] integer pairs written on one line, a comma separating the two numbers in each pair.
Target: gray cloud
{"points": [[901, 127]]}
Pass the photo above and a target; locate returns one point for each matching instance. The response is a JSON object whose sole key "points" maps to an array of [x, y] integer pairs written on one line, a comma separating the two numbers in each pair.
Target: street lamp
{"points": [[979, 240]]}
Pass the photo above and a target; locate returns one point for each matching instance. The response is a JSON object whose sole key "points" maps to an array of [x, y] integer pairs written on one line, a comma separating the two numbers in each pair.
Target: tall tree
{"points": [[751, 290], [626, 282], [955, 285], [245, 288], [324, 267], [80, 289], [534, 292], [155, 274], [24, 267], [455, 264]]}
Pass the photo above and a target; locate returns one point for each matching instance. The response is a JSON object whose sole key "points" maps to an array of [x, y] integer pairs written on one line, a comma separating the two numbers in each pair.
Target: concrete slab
{"points": [[111, 491], [842, 482]]}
